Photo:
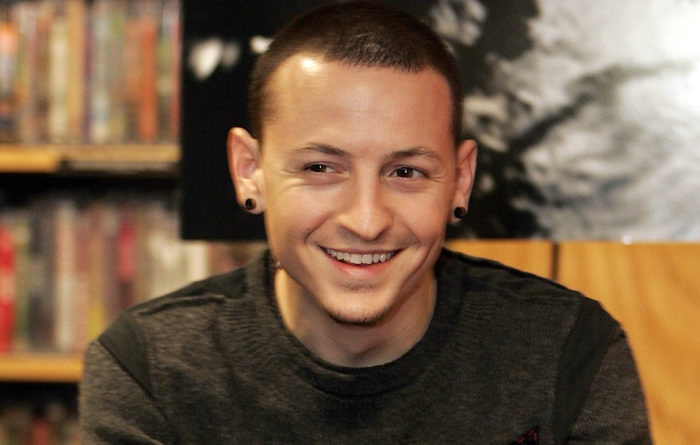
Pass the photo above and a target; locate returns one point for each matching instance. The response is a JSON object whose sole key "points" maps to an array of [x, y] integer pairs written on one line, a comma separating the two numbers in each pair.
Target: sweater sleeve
{"points": [[114, 408], [614, 411]]}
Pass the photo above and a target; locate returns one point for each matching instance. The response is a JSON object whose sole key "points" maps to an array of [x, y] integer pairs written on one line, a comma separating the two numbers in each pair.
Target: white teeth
{"points": [[359, 258]]}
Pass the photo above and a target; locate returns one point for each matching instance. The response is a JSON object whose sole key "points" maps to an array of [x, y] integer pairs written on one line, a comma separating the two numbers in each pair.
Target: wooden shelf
{"points": [[113, 158], [40, 367]]}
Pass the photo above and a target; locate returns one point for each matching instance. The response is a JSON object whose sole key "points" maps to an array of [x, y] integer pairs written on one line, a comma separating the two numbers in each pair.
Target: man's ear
{"points": [[465, 171], [244, 165]]}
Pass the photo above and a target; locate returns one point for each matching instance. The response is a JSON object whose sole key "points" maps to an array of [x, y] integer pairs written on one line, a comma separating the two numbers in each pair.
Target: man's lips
{"points": [[360, 258]]}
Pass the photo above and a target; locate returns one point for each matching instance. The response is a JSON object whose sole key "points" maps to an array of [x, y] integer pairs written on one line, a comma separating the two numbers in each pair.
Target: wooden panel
{"points": [[35, 367], [654, 291], [532, 256]]}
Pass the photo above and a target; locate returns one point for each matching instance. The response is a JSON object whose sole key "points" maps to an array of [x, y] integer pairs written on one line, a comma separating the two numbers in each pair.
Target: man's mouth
{"points": [[359, 258]]}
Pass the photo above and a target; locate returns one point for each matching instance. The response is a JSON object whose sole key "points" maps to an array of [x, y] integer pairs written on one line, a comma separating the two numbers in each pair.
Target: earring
{"points": [[459, 212], [249, 204]]}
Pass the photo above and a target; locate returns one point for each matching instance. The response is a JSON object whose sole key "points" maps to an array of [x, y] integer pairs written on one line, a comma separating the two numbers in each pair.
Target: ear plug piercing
{"points": [[249, 204], [459, 212]]}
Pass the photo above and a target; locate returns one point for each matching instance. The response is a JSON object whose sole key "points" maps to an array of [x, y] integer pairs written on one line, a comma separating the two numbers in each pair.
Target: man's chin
{"points": [[358, 319]]}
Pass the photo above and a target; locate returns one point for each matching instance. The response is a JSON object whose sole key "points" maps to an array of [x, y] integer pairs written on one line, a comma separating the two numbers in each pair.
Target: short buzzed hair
{"points": [[359, 33]]}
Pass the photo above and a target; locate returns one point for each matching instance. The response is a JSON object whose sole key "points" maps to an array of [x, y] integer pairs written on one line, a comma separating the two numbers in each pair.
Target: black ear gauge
{"points": [[459, 212], [249, 204]]}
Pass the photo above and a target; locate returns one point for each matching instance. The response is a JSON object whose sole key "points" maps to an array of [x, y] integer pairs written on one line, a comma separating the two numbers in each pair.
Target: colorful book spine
{"points": [[19, 223], [65, 223], [117, 68], [110, 232], [8, 60], [7, 287], [97, 312], [41, 301], [82, 291], [75, 83], [148, 99], [57, 115], [168, 82], [132, 73], [44, 19], [99, 107], [24, 18], [126, 256]]}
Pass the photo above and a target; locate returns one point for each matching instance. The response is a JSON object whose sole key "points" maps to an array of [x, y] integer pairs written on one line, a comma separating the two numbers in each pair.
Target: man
{"points": [[356, 327]]}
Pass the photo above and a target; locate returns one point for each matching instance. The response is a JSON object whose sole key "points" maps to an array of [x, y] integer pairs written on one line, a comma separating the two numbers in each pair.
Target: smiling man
{"points": [[358, 175], [356, 326]]}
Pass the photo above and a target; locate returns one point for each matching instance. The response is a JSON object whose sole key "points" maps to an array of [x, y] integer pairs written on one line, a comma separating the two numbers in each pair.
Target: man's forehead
{"points": [[300, 68], [314, 99]]}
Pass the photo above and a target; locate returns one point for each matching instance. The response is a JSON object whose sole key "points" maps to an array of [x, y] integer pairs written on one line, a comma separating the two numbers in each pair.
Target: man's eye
{"points": [[319, 168], [407, 172]]}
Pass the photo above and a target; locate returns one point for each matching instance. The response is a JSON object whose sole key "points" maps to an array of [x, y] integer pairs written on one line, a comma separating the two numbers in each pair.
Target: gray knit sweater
{"points": [[503, 356]]}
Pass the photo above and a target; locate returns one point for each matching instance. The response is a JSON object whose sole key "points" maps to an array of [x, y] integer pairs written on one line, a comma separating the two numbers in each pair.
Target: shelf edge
{"points": [[41, 367]]}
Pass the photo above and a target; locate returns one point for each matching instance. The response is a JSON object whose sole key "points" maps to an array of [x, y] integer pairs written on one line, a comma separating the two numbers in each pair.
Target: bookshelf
{"points": [[89, 167]]}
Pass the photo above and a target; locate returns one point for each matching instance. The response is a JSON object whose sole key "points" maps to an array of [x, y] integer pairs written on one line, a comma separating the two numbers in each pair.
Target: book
{"points": [[97, 311], [115, 58], [57, 91], [82, 289], [19, 224], [110, 231], [126, 256], [41, 258], [75, 83], [8, 59], [44, 17], [168, 81], [25, 113], [98, 72], [7, 287], [65, 216], [148, 100]]}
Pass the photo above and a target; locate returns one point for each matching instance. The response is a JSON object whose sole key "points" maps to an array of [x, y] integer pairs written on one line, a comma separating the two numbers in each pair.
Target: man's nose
{"points": [[366, 212]]}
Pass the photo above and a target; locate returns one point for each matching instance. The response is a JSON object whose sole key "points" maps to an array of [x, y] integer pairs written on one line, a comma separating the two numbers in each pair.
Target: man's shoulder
{"points": [[151, 333], [485, 275], [568, 333], [520, 296], [178, 315], [211, 291]]}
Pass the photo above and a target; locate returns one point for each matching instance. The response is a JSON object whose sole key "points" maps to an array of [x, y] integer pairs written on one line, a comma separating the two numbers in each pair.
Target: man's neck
{"points": [[352, 345]]}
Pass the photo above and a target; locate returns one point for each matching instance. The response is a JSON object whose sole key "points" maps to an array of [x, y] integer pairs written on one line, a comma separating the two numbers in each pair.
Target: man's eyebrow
{"points": [[399, 154], [322, 148], [414, 152]]}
